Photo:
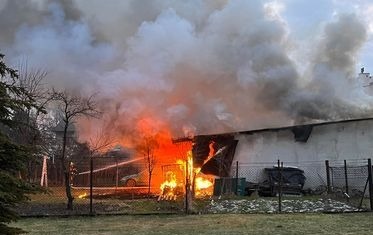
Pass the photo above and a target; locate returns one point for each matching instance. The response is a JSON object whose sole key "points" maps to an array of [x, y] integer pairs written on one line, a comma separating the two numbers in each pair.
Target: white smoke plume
{"points": [[192, 67]]}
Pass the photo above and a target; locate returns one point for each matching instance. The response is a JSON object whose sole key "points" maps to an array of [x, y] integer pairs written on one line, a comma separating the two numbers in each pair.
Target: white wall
{"points": [[334, 142]]}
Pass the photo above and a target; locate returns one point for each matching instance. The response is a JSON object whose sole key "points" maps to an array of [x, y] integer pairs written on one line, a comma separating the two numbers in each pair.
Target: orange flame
{"points": [[170, 182], [202, 184], [82, 195], [170, 188], [165, 153]]}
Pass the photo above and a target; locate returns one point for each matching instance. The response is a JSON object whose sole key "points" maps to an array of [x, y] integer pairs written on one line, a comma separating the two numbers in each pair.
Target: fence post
{"points": [[91, 188], [236, 178], [117, 174], [280, 186], [346, 176], [186, 188], [328, 188], [370, 183]]}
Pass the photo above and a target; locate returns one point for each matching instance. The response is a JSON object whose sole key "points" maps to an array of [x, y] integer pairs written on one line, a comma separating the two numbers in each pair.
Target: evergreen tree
{"points": [[13, 156]]}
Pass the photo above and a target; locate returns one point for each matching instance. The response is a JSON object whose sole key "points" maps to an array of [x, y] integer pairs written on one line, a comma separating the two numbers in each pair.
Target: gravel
{"points": [[271, 206]]}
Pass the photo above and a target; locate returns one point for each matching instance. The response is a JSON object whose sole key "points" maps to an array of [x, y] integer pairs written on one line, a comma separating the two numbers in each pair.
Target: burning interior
{"points": [[203, 159], [166, 168]]}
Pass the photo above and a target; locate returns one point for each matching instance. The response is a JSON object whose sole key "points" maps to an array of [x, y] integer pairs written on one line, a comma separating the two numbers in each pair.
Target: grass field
{"points": [[271, 224]]}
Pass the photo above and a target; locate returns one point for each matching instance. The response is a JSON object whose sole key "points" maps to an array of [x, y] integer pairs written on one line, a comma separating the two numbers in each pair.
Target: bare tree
{"points": [[32, 82], [28, 131], [101, 141], [147, 148], [71, 107]]}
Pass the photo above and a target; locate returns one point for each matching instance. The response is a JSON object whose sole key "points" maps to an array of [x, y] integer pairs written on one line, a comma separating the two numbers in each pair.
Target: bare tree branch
{"points": [[101, 141], [147, 148], [73, 106], [70, 107]]}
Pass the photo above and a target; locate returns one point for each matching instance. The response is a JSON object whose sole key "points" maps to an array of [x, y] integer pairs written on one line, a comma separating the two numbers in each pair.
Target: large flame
{"points": [[169, 187], [166, 153], [202, 183]]}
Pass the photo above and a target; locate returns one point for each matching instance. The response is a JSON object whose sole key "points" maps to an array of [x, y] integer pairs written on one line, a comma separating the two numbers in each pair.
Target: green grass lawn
{"points": [[271, 224]]}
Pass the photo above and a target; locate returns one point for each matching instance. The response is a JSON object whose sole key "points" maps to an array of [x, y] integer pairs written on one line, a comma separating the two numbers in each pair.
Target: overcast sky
{"points": [[306, 17]]}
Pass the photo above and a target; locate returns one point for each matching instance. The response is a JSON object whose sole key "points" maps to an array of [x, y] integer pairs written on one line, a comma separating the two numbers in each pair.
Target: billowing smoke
{"points": [[191, 67], [332, 90]]}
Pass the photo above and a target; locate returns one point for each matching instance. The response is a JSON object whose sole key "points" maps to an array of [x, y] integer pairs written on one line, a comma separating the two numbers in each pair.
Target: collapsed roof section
{"points": [[214, 154], [302, 133]]}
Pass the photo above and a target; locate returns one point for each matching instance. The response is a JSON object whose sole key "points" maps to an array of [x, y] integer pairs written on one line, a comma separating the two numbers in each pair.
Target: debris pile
{"points": [[271, 206]]}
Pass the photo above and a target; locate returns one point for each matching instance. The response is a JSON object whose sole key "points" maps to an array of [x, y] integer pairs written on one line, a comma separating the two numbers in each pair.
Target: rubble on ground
{"points": [[271, 206]]}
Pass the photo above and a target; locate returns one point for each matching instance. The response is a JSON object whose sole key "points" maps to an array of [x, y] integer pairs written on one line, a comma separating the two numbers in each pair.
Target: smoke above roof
{"points": [[192, 67]]}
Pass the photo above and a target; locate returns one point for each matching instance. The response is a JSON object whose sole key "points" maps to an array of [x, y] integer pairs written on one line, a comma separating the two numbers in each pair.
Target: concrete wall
{"points": [[352, 141]]}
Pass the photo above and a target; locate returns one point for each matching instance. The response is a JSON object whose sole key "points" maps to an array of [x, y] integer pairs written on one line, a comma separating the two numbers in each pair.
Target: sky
{"points": [[198, 66], [305, 18]]}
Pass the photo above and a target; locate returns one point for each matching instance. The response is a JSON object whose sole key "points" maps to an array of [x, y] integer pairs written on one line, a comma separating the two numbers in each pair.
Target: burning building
{"points": [[299, 145], [195, 68]]}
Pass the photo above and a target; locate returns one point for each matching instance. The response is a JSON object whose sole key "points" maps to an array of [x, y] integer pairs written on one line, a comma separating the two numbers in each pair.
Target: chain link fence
{"points": [[342, 183], [120, 186], [350, 180]]}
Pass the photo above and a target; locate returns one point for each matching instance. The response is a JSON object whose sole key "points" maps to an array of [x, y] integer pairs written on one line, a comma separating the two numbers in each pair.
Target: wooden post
{"points": [[328, 187], [117, 174], [91, 188], [186, 188], [370, 179], [365, 189], [44, 173]]}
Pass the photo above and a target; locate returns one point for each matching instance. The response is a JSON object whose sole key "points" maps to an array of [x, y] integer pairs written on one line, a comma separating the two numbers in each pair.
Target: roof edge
{"points": [[249, 132]]}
